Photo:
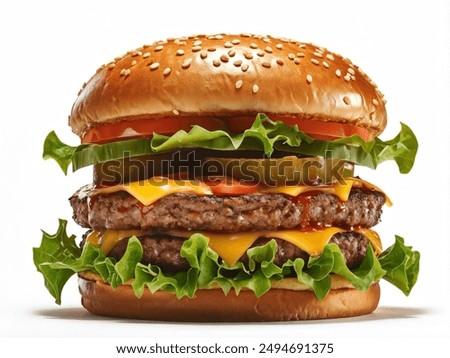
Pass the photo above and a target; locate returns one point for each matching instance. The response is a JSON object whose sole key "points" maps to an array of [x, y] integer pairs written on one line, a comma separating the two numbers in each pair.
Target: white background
{"points": [[48, 49]]}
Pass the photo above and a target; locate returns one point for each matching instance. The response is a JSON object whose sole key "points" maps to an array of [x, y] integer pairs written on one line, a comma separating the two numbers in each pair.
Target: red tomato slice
{"points": [[146, 127], [230, 186], [314, 128]]}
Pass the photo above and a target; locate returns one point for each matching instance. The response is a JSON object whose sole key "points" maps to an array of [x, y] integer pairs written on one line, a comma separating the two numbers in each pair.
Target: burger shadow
{"points": [[69, 313], [382, 313]]}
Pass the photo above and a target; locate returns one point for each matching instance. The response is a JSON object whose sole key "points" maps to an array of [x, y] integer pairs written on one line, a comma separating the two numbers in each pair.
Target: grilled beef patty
{"points": [[121, 211]]}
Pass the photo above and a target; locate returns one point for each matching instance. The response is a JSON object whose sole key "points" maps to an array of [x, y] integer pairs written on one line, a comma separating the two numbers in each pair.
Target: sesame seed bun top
{"points": [[229, 75]]}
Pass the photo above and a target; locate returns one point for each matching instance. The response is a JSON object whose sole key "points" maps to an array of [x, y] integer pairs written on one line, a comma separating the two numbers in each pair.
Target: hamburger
{"points": [[224, 185]]}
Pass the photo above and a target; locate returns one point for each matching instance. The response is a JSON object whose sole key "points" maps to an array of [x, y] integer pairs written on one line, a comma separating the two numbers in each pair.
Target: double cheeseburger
{"points": [[224, 185]]}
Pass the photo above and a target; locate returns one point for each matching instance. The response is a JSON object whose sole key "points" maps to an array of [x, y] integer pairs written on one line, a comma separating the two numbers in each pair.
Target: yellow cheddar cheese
{"points": [[230, 247]]}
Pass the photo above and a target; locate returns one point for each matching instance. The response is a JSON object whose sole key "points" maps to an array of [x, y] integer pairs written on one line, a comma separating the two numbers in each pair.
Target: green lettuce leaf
{"points": [[58, 258], [59, 151], [264, 135], [401, 265], [56, 248]]}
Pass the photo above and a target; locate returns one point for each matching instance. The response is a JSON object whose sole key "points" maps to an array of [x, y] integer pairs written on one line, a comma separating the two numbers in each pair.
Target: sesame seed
{"points": [[325, 64], [302, 46], [346, 100], [317, 54], [237, 63], [111, 66], [235, 42], [244, 67], [176, 112], [280, 61], [203, 54], [154, 66], [309, 78], [255, 88], [291, 56], [145, 55], [167, 71], [196, 48], [159, 48], [266, 40], [314, 61], [122, 72], [253, 45], [346, 60], [300, 54], [353, 78], [127, 72], [347, 77], [198, 43], [351, 71], [180, 52], [218, 37], [248, 55], [338, 73], [238, 84], [268, 49], [224, 58], [211, 49], [266, 64], [228, 44], [231, 53], [137, 53], [133, 63], [375, 102], [297, 61], [279, 46], [186, 63], [384, 101], [330, 57], [260, 53], [216, 63], [245, 34]]}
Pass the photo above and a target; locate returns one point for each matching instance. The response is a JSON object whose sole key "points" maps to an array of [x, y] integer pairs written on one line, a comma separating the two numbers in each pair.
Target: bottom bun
{"points": [[212, 305]]}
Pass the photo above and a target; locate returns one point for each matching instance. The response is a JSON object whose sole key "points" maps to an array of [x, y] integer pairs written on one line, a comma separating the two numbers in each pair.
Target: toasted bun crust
{"points": [[213, 306], [229, 75]]}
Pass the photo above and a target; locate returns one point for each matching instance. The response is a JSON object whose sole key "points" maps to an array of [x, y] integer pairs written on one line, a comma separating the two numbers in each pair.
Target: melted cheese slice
{"points": [[150, 190], [230, 247], [342, 191], [107, 239]]}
